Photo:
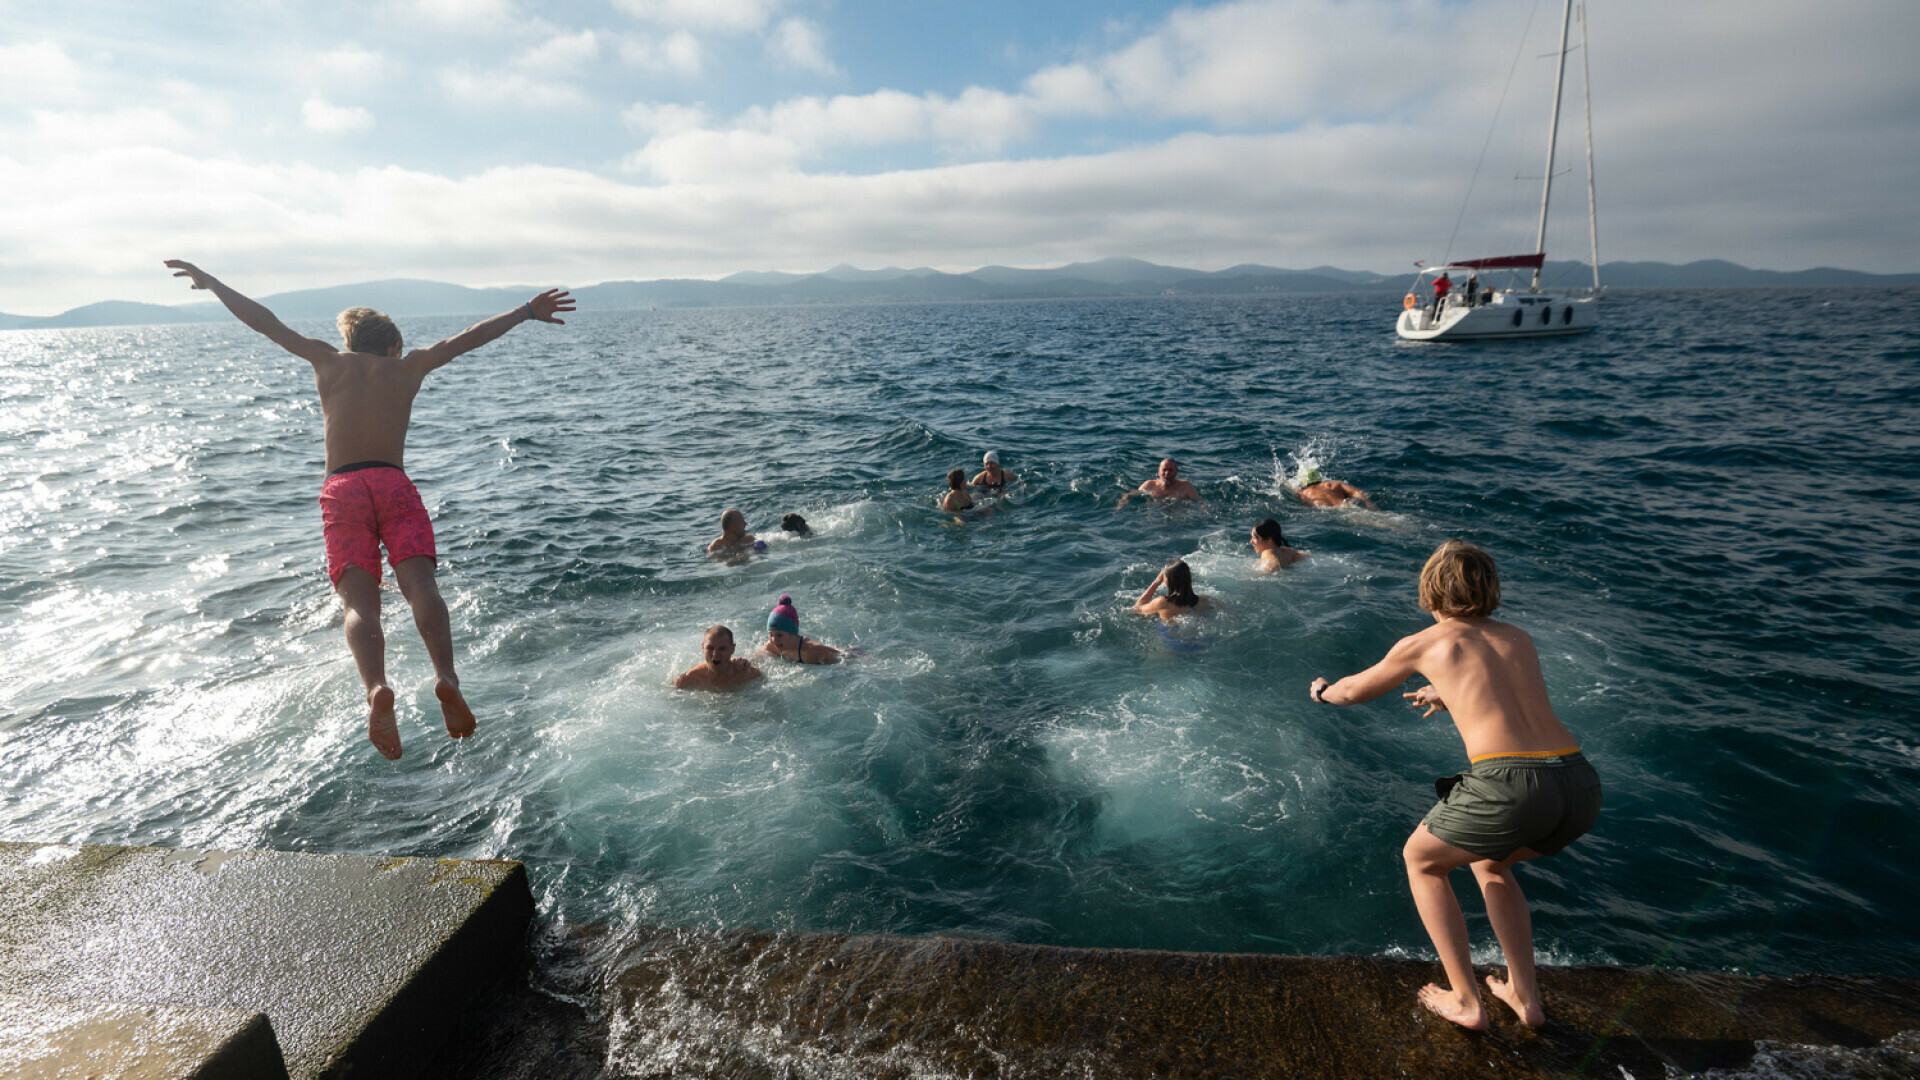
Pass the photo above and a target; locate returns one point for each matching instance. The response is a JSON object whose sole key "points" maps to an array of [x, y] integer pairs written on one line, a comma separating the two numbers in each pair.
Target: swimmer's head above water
{"points": [[1179, 582], [717, 645], [785, 617], [957, 479], [1310, 476], [1268, 532], [796, 524], [991, 460]]}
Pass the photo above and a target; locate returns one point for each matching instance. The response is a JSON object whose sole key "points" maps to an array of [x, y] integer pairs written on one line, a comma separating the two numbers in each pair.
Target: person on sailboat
{"points": [[1442, 285], [1473, 289]]}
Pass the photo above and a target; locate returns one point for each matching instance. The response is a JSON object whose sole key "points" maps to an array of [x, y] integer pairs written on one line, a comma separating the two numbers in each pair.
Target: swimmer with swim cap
{"points": [[1315, 491], [784, 640], [991, 474]]}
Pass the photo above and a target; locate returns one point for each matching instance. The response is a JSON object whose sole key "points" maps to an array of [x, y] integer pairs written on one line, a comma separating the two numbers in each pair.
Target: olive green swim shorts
{"points": [[1503, 804]]}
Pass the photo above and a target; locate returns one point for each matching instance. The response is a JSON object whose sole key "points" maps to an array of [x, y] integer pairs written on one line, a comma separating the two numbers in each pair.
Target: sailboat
{"points": [[1468, 311]]}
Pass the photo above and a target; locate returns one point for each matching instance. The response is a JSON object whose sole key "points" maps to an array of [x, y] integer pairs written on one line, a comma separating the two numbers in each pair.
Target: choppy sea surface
{"points": [[1707, 514]]}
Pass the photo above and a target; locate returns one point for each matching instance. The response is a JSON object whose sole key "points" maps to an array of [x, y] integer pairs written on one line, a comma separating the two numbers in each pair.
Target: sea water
{"points": [[1707, 514]]}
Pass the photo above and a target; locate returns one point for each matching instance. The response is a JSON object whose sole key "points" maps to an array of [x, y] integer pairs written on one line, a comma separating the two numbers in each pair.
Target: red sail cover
{"points": [[1505, 262]]}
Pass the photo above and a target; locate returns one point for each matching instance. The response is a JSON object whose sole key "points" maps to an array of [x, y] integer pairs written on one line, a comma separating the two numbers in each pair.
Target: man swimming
{"points": [[1529, 791], [733, 534], [1317, 492], [991, 475], [1271, 545], [784, 640], [720, 670], [1167, 485], [366, 401]]}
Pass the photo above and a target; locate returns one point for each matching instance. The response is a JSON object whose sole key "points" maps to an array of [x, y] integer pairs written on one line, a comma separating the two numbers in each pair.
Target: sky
{"points": [[285, 145]]}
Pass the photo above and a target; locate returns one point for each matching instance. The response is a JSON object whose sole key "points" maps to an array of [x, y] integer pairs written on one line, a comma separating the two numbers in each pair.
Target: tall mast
{"points": [[1586, 86], [1553, 133]]}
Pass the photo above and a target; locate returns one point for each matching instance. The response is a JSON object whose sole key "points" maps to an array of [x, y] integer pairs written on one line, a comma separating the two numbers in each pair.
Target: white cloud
{"points": [[55, 133], [334, 119], [483, 16], [724, 15], [800, 43], [678, 53], [664, 118], [349, 66], [39, 73], [562, 54], [509, 89]]}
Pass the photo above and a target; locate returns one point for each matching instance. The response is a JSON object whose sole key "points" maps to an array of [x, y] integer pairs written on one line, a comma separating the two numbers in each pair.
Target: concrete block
{"points": [[361, 963], [51, 1039]]}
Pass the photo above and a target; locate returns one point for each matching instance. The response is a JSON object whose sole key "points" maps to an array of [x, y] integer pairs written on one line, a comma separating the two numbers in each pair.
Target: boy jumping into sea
{"points": [[1529, 791], [366, 400]]}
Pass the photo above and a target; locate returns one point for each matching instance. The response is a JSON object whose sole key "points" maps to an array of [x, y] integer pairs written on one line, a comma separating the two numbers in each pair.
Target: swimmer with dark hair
{"points": [[991, 475], [734, 534], [1328, 493], [784, 639], [720, 669], [796, 525], [1180, 600], [1271, 545], [957, 498]]}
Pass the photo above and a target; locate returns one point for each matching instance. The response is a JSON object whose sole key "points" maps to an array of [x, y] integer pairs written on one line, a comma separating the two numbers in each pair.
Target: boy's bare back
{"points": [[1487, 674], [367, 403]]}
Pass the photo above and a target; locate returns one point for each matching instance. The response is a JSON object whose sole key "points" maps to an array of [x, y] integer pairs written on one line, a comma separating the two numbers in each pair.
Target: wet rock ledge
{"points": [[661, 1003], [151, 962]]}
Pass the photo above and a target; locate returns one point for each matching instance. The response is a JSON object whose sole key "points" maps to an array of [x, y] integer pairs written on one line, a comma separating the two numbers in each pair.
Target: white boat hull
{"points": [[1508, 315]]}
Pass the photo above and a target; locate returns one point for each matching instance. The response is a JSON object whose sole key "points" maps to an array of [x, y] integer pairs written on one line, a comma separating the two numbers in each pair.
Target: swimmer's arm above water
{"points": [[1146, 605], [1400, 664], [255, 315], [541, 308]]}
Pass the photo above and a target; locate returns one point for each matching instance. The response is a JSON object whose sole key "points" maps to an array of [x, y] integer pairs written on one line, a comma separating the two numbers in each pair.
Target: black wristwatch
{"points": [[1319, 693]]}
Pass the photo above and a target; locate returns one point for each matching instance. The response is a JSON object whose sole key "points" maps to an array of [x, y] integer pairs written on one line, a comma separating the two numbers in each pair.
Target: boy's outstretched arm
{"points": [[255, 314], [542, 308], [1401, 663]]}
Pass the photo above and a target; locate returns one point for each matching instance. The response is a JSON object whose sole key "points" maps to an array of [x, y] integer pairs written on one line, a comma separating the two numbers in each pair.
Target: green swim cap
{"points": [[1311, 476]]}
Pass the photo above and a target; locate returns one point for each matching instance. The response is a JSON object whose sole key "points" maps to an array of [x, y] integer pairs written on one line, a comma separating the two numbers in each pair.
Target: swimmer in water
{"points": [[957, 498], [1528, 790], [785, 642], [733, 534], [720, 670], [1180, 600], [796, 525], [366, 401], [1325, 493], [1271, 545], [991, 475], [1167, 485]]}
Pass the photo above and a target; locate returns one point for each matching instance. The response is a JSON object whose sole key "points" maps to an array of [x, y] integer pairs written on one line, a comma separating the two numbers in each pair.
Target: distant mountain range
{"points": [[1115, 277]]}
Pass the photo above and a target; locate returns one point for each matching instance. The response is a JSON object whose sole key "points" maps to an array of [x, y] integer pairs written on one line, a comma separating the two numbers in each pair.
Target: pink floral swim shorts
{"points": [[367, 504]]}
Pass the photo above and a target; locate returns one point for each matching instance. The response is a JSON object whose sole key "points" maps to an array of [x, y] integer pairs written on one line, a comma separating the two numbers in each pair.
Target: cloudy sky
{"points": [[287, 145]]}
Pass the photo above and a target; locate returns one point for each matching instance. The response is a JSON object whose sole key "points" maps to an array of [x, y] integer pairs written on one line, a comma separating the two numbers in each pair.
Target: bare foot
{"points": [[382, 732], [1447, 1005], [454, 708], [1531, 1013]]}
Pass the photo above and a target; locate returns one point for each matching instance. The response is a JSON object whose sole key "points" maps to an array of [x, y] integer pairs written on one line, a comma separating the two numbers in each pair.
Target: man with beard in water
{"points": [[366, 400], [1529, 791]]}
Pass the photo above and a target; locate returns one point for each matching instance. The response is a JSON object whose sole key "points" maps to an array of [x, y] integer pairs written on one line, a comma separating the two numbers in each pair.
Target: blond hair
{"points": [[1459, 581], [367, 331]]}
